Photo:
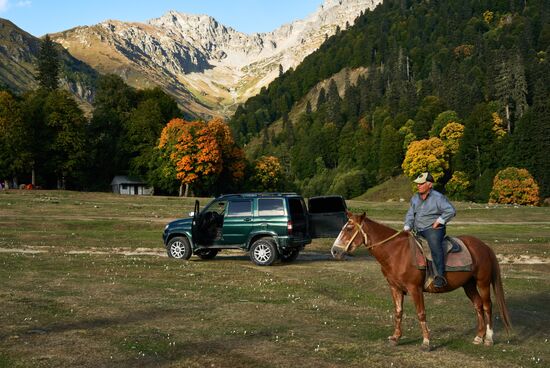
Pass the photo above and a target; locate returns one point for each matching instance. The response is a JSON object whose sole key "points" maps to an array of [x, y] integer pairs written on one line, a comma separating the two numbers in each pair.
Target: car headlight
{"points": [[166, 227]]}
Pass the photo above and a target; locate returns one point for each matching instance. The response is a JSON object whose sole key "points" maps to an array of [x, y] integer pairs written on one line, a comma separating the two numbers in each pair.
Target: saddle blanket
{"points": [[458, 257]]}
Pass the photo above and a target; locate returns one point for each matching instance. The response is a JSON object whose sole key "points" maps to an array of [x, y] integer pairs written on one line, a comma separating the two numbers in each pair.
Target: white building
{"points": [[130, 186]]}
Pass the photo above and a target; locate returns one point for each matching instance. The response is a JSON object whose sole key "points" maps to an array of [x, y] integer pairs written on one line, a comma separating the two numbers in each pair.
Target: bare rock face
{"points": [[208, 67]]}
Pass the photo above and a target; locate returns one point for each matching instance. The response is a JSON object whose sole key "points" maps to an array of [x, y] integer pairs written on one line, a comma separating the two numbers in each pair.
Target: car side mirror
{"points": [[192, 214]]}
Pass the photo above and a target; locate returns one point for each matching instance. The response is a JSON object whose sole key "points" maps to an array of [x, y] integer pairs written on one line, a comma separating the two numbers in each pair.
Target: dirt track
{"points": [[516, 259]]}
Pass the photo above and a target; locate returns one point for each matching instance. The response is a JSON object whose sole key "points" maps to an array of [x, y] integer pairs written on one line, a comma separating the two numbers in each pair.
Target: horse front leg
{"points": [[418, 298], [397, 296]]}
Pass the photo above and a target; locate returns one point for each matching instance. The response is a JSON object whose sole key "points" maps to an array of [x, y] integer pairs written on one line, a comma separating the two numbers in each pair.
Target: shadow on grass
{"points": [[94, 323], [208, 352], [530, 316], [303, 258]]}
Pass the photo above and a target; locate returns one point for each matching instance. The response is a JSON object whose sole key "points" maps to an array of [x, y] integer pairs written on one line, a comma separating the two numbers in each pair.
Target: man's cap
{"points": [[424, 177]]}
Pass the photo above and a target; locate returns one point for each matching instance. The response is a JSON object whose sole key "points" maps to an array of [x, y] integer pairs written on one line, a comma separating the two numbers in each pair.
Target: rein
{"points": [[366, 238]]}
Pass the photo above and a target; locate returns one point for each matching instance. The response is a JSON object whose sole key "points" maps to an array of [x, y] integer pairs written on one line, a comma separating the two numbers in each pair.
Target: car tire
{"points": [[263, 252], [208, 253], [179, 248], [290, 256]]}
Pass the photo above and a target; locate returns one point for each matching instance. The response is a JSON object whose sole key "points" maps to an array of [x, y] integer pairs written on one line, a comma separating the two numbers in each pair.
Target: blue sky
{"points": [[39, 17]]}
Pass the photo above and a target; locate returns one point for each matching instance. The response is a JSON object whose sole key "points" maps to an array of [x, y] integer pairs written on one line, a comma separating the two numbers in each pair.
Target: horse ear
{"points": [[349, 214], [363, 215]]}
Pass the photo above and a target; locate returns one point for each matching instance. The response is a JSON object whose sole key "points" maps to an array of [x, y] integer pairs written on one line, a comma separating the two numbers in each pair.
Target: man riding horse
{"points": [[428, 214]]}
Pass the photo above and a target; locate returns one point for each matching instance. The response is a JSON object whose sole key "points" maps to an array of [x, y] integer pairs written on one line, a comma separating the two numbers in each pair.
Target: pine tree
{"points": [[48, 65], [511, 86], [531, 140]]}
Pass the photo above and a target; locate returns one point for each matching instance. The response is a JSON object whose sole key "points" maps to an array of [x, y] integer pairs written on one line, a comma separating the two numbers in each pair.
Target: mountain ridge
{"points": [[208, 67], [18, 55]]}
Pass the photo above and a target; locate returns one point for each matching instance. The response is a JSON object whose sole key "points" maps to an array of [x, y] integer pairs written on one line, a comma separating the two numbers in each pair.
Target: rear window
{"points": [[239, 208], [326, 204], [271, 207]]}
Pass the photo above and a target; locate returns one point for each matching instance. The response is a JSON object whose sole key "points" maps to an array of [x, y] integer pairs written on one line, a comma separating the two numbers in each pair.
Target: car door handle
{"points": [[247, 219]]}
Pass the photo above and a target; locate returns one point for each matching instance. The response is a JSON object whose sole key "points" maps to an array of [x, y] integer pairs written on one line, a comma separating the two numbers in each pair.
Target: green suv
{"points": [[269, 226]]}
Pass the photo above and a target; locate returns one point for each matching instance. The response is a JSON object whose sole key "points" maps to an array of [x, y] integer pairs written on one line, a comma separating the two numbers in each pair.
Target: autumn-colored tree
{"points": [[457, 186], [426, 155], [451, 135], [202, 152], [197, 155], [442, 120], [233, 158], [514, 186], [499, 128], [193, 149], [267, 173]]}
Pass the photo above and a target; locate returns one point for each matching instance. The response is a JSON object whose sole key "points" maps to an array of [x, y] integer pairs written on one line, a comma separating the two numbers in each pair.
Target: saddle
{"points": [[457, 257]]}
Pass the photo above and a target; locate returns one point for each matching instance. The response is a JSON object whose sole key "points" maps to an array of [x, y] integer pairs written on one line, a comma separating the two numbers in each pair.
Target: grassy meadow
{"points": [[85, 282]]}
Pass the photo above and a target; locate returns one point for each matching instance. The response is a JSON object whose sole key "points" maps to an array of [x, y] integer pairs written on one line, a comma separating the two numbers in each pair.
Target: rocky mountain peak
{"points": [[209, 67]]}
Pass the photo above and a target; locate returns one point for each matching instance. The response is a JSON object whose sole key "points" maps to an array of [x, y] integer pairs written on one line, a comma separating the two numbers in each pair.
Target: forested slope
{"points": [[480, 64]]}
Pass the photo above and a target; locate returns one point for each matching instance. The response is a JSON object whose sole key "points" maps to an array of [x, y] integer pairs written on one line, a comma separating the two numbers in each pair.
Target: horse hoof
{"points": [[425, 347], [478, 340], [488, 343], [392, 341]]}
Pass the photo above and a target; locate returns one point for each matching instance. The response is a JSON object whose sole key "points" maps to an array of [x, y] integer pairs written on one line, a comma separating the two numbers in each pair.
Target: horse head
{"points": [[351, 236]]}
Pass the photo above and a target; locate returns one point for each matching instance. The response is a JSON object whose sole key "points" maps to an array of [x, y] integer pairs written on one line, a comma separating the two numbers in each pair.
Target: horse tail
{"points": [[496, 281]]}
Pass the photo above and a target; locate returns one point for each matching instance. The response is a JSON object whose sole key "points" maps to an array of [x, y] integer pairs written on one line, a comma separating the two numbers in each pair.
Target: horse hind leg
{"points": [[472, 293], [485, 293]]}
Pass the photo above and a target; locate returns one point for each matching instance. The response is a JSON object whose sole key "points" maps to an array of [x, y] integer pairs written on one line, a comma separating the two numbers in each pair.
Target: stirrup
{"points": [[439, 282]]}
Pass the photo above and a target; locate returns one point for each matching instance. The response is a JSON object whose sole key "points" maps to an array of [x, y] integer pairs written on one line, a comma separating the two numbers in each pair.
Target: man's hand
{"points": [[435, 225]]}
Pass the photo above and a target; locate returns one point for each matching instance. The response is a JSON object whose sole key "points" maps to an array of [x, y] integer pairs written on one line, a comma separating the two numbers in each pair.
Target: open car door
{"points": [[195, 224], [327, 216]]}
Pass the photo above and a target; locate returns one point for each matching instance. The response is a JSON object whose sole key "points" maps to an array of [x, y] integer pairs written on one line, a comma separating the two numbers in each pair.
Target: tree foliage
{"points": [[451, 135], [268, 174], [48, 65], [514, 186], [458, 185], [200, 153], [15, 154], [426, 155]]}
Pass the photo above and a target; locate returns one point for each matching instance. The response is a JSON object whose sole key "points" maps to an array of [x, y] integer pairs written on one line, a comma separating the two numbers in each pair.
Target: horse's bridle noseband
{"points": [[359, 229]]}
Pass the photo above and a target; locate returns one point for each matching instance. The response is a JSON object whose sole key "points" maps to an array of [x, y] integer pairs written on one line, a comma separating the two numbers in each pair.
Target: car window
{"points": [[239, 208], [216, 206], [271, 207]]}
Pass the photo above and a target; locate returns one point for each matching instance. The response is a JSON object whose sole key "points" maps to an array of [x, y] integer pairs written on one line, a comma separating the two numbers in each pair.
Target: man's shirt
{"points": [[423, 213]]}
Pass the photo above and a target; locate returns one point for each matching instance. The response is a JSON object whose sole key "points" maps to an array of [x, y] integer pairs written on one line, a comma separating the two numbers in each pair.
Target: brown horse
{"points": [[391, 249]]}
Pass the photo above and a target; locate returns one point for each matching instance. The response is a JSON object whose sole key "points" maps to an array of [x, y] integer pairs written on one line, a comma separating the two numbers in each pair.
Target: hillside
{"points": [[18, 51], [483, 65]]}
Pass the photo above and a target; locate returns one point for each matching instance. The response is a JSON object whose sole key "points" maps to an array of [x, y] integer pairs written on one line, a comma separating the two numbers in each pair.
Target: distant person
{"points": [[428, 214]]}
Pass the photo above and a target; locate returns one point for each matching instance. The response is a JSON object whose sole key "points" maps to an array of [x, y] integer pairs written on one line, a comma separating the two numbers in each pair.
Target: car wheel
{"points": [[290, 255], [208, 253], [179, 247], [264, 252]]}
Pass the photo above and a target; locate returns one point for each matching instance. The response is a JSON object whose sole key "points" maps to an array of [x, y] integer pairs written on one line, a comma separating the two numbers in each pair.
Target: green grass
{"points": [[90, 309]]}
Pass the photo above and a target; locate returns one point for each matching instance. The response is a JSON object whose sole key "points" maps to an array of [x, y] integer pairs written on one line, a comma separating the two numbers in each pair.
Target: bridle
{"points": [[359, 228]]}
